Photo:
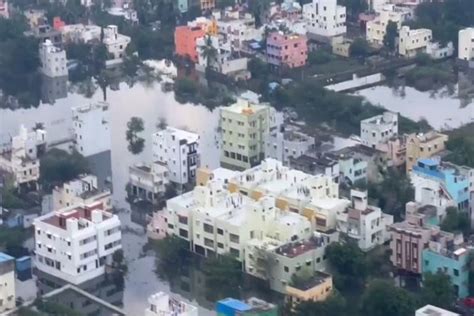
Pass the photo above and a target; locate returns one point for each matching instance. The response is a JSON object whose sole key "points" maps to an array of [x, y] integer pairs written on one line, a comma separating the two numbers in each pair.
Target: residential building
{"points": [[436, 51], [352, 169], [440, 184], [20, 157], [179, 151], [413, 42], [424, 145], [115, 42], [91, 127], [341, 46], [58, 24], [185, 37], [364, 223], [378, 129], [83, 190], [125, 12], [44, 32], [286, 142], [466, 44], [245, 126], [4, 9], [53, 60], [225, 61], [207, 5], [80, 33], [430, 310], [447, 253], [157, 226], [286, 50], [76, 243], [34, 17], [317, 164], [377, 27], [324, 18], [161, 304], [395, 150], [251, 307], [315, 289], [7, 281], [148, 182]]}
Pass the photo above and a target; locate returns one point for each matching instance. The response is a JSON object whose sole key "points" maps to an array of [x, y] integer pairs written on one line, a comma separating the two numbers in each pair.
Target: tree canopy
{"points": [[456, 221], [335, 305], [438, 290], [349, 264], [390, 36], [135, 142]]}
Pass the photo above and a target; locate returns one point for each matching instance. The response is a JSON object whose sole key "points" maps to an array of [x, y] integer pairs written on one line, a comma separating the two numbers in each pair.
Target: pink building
{"points": [[4, 9], [290, 50], [395, 149]]}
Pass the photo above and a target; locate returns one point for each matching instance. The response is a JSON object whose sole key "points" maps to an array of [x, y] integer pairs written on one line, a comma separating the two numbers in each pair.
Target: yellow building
{"points": [[423, 146], [317, 288]]}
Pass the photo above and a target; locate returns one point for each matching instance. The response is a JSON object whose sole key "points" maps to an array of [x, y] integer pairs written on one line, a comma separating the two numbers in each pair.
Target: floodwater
{"points": [[442, 109]]}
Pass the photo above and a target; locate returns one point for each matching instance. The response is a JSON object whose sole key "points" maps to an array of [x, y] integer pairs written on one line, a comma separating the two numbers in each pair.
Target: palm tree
{"points": [[209, 52]]}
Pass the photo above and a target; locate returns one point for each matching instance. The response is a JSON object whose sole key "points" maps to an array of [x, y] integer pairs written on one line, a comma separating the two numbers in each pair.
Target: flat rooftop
{"points": [[58, 219], [317, 279], [297, 248]]}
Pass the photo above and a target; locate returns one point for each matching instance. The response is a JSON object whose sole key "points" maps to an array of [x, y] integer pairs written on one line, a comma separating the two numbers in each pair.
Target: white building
{"points": [[91, 127], [364, 223], [225, 62], [378, 129], [7, 283], [377, 28], [80, 33], [161, 304], [125, 12], [430, 310], [325, 18], [436, 51], [20, 157], [413, 42], [148, 182], [115, 42], [4, 9], [287, 142], [83, 190], [77, 242], [245, 126], [53, 60], [466, 44], [179, 151]]}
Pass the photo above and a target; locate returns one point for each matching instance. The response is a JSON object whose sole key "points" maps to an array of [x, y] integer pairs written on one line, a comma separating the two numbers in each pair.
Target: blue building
{"points": [[447, 254], [252, 307], [453, 184]]}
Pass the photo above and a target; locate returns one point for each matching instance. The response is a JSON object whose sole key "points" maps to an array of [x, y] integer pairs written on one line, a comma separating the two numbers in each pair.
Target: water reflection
{"points": [[53, 89]]}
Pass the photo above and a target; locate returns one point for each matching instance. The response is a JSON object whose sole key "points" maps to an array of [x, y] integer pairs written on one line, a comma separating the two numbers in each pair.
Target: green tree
{"points": [[335, 305], [258, 8], [58, 166], [349, 264], [382, 298], [359, 48], [223, 276], [456, 221], [390, 36], [438, 290], [135, 142], [209, 52], [354, 8], [172, 256]]}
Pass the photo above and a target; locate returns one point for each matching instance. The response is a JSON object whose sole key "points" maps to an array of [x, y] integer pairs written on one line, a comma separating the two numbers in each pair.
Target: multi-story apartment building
{"points": [[447, 252], [83, 190], [77, 33], [7, 283], [284, 143], [148, 182], [91, 128], [425, 145], [286, 50], [245, 126], [364, 223], [378, 129], [324, 18], [316, 164], [352, 169], [20, 157], [179, 151], [53, 60], [115, 42], [413, 42], [377, 28], [251, 307], [161, 304], [440, 184], [315, 289], [76, 243], [185, 37], [466, 44]]}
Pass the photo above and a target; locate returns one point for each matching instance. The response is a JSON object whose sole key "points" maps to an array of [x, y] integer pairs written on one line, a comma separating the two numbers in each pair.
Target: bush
{"points": [[319, 57], [58, 166]]}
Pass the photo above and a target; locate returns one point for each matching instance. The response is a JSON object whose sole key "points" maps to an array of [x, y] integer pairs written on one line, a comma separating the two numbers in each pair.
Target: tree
{"points": [[58, 166], [222, 4], [335, 305], [390, 36], [223, 276], [258, 8], [438, 290], [172, 256], [349, 264], [354, 8], [382, 298], [359, 48], [456, 221], [209, 52], [135, 142]]}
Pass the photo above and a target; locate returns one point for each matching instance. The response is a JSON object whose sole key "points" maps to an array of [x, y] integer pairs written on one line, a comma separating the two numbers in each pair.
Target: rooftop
{"points": [[253, 304], [246, 107], [430, 310], [317, 279], [295, 249], [59, 218]]}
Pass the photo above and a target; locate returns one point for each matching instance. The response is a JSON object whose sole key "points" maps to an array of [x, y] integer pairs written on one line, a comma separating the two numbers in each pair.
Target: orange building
{"points": [[185, 41], [58, 24]]}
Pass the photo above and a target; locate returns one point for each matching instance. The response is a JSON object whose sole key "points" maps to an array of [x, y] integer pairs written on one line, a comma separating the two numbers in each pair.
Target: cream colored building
{"points": [[316, 289], [466, 44], [413, 42], [423, 146], [83, 190], [7, 282], [377, 28], [244, 127]]}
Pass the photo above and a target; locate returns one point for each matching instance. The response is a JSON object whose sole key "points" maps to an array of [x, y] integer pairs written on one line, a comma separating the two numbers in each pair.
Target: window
{"points": [[183, 233], [286, 269], [208, 242], [220, 231], [234, 252], [456, 272], [208, 228], [234, 238]]}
